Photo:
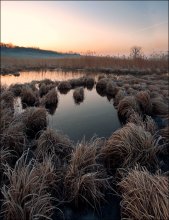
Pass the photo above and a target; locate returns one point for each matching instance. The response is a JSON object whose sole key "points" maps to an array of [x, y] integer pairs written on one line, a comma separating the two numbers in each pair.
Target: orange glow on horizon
{"points": [[58, 29]]}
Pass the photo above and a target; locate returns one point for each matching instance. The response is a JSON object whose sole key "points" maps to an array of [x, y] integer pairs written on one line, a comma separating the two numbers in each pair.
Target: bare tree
{"points": [[136, 52]]}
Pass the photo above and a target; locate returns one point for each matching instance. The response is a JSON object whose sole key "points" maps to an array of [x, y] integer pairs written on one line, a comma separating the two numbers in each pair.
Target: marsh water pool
{"points": [[96, 115]]}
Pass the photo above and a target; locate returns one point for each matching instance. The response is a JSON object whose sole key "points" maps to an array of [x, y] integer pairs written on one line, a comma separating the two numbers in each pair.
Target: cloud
{"points": [[151, 27]]}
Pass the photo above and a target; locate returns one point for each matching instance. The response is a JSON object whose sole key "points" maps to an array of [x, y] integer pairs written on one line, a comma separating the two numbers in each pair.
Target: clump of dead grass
{"points": [[34, 120], [144, 195], [130, 145], [50, 99], [111, 88], [86, 180], [159, 107], [147, 123], [51, 142], [127, 106], [64, 87], [29, 97], [26, 196], [144, 100], [78, 95]]}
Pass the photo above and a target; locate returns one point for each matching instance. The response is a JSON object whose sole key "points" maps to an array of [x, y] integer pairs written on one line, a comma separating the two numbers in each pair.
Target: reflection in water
{"points": [[41, 75], [52, 108], [95, 116]]}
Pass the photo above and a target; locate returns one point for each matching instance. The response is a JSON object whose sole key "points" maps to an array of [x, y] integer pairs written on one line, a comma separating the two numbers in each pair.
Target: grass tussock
{"points": [[131, 145], [51, 98], [147, 123], [16, 89], [111, 88], [7, 99], [144, 195], [119, 96], [127, 106], [29, 97], [26, 196], [34, 120], [64, 87], [144, 100], [51, 142], [159, 107], [78, 95], [164, 132], [78, 82], [102, 84], [86, 180], [44, 89], [90, 83], [13, 138]]}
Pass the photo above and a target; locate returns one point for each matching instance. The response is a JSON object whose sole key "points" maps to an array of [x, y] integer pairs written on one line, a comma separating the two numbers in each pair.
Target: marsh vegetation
{"points": [[46, 175]]}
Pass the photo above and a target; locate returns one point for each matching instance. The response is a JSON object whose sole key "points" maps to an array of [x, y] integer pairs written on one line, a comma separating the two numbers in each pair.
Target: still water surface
{"points": [[96, 115]]}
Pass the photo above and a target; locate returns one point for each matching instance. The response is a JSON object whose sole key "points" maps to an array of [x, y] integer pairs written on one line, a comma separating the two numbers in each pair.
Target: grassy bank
{"points": [[87, 63]]}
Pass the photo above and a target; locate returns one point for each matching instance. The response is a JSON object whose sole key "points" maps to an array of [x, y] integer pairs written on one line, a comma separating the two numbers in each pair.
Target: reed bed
{"points": [[131, 145], [94, 63], [144, 195]]}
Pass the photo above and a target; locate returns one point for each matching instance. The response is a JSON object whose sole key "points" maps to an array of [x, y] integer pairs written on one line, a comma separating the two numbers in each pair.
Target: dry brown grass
{"points": [[165, 132], [64, 87], [119, 96], [90, 83], [159, 107], [13, 138], [7, 99], [16, 89], [78, 95], [148, 123], [44, 89], [29, 97], [111, 88], [144, 196], [144, 100], [86, 180], [51, 142], [50, 99], [26, 196], [85, 62], [127, 106], [130, 145], [34, 120]]}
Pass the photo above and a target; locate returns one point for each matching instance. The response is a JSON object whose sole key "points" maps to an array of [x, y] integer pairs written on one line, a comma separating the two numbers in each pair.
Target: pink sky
{"points": [[104, 27]]}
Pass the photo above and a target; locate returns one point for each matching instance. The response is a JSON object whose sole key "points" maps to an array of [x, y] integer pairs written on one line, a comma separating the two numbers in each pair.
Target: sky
{"points": [[105, 27]]}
